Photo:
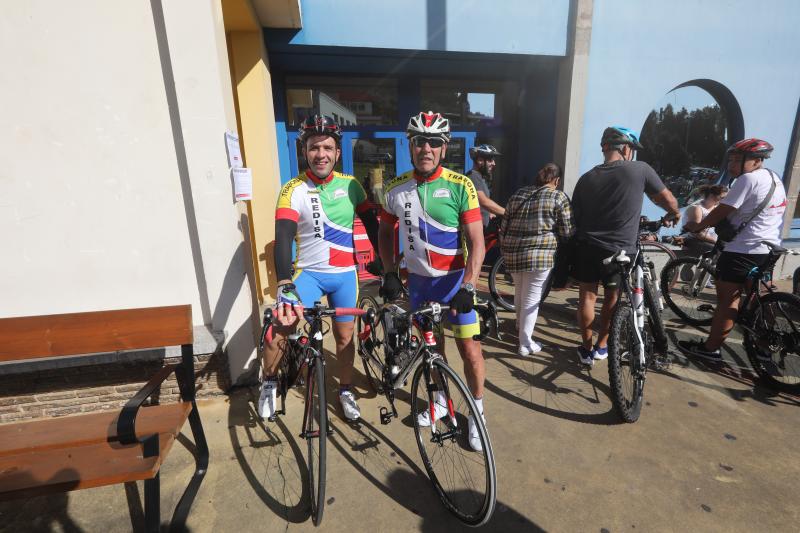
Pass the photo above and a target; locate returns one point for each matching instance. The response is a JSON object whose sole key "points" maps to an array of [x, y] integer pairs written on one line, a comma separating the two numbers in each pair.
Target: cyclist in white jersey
{"points": [[317, 209]]}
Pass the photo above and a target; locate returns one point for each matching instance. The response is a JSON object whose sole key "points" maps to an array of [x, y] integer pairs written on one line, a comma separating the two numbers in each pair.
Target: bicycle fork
{"points": [[637, 298], [432, 388]]}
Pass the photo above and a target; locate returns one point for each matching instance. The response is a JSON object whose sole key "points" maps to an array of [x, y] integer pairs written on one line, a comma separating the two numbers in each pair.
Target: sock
{"points": [[479, 404], [272, 379], [344, 388], [441, 399]]}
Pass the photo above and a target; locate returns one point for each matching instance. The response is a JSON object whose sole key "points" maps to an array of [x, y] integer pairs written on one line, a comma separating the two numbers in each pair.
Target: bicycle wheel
{"points": [[316, 434], [371, 349], [772, 341], [501, 285], [689, 290], [654, 318], [465, 480], [625, 372]]}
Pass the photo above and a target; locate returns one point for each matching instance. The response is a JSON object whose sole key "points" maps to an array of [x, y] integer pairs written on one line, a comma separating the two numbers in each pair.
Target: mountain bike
{"points": [[687, 285], [465, 480], [637, 339], [770, 323], [303, 363]]}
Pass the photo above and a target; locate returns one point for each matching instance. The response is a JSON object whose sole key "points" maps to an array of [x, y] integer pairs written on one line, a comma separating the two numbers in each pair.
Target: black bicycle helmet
{"points": [[320, 125]]}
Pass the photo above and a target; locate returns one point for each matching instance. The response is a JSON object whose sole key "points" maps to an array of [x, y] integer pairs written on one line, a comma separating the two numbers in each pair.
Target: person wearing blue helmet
{"points": [[607, 204]]}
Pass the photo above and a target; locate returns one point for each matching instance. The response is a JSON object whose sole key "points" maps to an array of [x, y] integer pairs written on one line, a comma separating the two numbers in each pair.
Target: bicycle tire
{"points": [[371, 351], [470, 493], [500, 296], [654, 318], [623, 358], [760, 338], [694, 309], [316, 434]]}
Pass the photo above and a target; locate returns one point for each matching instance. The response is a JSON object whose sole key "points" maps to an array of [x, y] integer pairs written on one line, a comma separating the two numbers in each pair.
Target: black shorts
{"points": [[588, 267], [733, 267]]}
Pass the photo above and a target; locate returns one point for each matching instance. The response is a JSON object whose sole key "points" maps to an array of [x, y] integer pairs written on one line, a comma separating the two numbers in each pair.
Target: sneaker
{"points": [[440, 411], [532, 348], [598, 353], [585, 356], [472, 433], [268, 400], [349, 405], [698, 349]]}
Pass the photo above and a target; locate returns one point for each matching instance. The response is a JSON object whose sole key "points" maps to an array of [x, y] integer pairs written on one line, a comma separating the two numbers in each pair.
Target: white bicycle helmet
{"points": [[429, 124]]}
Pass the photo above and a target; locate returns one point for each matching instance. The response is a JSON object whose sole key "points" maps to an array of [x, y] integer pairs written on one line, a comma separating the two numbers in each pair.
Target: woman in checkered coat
{"points": [[537, 218]]}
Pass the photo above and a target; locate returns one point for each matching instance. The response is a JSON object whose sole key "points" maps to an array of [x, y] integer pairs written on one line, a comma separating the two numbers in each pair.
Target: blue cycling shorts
{"points": [[341, 288], [441, 289]]}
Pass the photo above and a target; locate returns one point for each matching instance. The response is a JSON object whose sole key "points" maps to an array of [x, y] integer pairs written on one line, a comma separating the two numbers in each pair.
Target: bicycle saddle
{"points": [[620, 257], [774, 248]]}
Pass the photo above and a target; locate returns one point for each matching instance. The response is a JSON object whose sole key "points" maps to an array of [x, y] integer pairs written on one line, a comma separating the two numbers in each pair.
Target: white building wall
{"points": [[99, 206]]}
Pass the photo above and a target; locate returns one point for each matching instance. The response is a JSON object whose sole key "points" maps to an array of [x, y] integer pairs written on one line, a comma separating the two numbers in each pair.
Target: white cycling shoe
{"points": [[472, 433], [349, 405], [268, 399]]}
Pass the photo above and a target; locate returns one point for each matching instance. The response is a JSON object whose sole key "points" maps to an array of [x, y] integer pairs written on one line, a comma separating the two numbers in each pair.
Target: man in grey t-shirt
{"points": [[607, 204], [483, 164]]}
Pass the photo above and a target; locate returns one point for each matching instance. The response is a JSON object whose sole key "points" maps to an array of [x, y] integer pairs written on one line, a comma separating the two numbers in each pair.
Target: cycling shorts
{"points": [[588, 266], [441, 289], [734, 267], [341, 288]]}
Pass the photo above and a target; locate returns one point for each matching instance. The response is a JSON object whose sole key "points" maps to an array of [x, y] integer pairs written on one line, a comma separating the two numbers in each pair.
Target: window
{"points": [[464, 105], [374, 165], [351, 101]]}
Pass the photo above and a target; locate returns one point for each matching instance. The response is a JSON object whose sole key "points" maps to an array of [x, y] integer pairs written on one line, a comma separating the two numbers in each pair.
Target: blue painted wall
{"points": [[497, 26], [642, 49]]}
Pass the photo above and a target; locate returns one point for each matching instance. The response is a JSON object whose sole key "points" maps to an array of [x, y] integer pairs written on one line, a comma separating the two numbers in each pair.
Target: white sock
{"points": [[479, 404], [441, 399]]}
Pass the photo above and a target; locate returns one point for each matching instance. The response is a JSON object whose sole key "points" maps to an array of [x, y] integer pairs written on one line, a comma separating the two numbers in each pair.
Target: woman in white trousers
{"points": [[537, 218]]}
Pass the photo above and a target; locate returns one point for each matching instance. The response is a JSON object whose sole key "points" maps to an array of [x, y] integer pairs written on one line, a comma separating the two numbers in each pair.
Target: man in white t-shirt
{"points": [[752, 184]]}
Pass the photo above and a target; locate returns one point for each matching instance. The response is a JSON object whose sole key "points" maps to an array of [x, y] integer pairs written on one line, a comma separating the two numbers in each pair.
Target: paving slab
{"points": [[712, 451]]}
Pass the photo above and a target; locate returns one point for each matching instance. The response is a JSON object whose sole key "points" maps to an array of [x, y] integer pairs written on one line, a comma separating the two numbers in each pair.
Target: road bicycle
{"points": [[770, 323], [465, 480], [302, 363], [637, 339]]}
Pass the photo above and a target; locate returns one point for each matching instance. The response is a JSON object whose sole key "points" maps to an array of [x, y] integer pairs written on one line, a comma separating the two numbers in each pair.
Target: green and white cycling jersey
{"points": [[324, 211], [431, 212]]}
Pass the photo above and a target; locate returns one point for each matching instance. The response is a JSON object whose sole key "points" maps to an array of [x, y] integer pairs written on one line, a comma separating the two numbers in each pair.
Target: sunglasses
{"points": [[434, 142]]}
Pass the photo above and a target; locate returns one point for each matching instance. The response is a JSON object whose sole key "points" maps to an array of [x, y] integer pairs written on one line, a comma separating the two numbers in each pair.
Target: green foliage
{"points": [[675, 141]]}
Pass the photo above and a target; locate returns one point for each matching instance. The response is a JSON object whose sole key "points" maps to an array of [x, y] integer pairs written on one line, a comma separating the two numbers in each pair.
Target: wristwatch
{"points": [[469, 287]]}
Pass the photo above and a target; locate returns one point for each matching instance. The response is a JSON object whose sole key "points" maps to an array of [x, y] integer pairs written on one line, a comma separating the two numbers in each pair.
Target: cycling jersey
{"points": [[432, 211], [324, 212]]}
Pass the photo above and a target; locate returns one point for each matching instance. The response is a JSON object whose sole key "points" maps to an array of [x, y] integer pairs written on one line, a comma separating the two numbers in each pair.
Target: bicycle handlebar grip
{"points": [[349, 311]]}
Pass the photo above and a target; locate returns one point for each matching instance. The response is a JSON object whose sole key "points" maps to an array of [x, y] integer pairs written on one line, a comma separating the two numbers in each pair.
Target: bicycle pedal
{"points": [[386, 416]]}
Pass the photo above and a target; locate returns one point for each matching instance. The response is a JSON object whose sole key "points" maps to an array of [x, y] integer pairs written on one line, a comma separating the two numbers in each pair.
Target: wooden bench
{"points": [[97, 449]]}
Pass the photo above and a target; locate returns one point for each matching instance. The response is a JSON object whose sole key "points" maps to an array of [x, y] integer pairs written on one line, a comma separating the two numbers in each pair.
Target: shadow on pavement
{"points": [[270, 459]]}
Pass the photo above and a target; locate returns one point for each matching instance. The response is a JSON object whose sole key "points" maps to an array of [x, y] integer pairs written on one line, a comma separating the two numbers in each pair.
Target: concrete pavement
{"points": [[711, 452]]}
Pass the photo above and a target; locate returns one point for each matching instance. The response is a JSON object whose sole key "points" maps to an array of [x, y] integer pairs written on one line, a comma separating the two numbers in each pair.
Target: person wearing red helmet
{"points": [[754, 207], [317, 209]]}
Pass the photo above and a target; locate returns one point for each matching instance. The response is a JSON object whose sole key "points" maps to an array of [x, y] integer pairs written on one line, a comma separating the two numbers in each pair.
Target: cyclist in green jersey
{"points": [[440, 220]]}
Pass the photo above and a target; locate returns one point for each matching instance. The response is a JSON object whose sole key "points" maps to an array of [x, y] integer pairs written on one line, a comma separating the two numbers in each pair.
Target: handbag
{"points": [[725, 229]]}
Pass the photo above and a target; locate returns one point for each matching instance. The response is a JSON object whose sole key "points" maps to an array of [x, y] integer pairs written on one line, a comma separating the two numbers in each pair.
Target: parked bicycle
{"points": [[303, 363], [687, 285], [769, 320], [637, 339], [465, 480]]}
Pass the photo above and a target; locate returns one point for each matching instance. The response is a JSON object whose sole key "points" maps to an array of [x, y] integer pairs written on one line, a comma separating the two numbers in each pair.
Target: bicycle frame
{"points": [[639, 272]]}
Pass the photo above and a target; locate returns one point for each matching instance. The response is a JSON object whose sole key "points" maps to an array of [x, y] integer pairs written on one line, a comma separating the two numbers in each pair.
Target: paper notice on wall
{"points": [[234, 151], [243, 183]]}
